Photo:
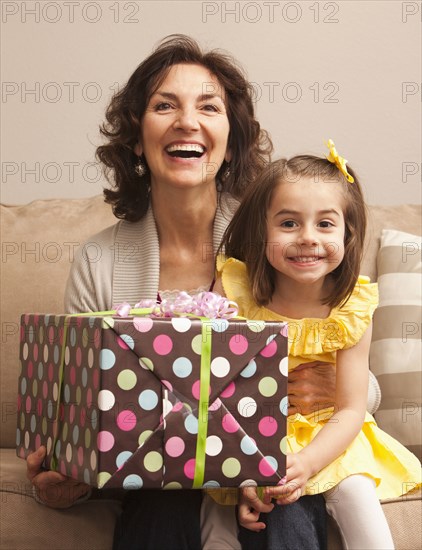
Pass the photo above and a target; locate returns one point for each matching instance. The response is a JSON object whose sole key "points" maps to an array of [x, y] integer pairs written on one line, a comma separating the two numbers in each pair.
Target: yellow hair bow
{"points": [[339, 161]]}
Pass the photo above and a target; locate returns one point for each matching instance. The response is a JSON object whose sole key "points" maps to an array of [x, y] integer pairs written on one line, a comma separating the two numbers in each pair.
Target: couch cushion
{"points": [[38, 242], [395, 355], [26, 524], [405, 217], [404, 519]]}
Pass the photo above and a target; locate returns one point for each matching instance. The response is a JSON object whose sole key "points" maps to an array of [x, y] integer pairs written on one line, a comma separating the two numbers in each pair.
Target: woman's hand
{"points": [[297, 474], [53, 488], [311, 387], [250, 508]]}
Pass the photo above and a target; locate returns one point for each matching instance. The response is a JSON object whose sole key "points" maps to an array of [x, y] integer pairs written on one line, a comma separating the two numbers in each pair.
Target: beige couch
{"points": [[38, 241]]}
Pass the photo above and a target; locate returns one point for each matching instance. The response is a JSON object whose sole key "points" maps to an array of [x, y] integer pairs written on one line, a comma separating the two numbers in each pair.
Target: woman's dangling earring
{"points": [[226, 173], [223, 178], [140, 168]]}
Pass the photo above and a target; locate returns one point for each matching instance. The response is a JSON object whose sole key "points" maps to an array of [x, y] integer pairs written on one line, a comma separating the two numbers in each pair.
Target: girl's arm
{"points": [[340, 429]]}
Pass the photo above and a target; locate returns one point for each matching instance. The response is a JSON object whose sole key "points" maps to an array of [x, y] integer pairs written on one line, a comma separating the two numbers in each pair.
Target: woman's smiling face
{"points": [[185, 128]]}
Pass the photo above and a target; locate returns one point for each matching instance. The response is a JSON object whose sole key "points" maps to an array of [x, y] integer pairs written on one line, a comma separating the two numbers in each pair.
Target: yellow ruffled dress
{"points": [[373, 452]]}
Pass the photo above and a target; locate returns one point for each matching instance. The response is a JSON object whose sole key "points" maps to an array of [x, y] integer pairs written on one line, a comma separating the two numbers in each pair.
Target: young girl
{"points": [[294, 247]]}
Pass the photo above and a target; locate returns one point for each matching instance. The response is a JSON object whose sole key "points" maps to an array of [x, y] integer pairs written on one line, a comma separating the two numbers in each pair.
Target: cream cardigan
{"points": [[122, 262]]}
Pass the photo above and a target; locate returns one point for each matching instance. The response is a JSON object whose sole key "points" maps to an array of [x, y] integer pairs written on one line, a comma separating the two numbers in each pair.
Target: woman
{"points": [[182, 145]]}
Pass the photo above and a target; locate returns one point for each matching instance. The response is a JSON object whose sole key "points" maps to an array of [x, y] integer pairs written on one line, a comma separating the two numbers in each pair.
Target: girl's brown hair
{"points": [[246, 235], [249, 145]]}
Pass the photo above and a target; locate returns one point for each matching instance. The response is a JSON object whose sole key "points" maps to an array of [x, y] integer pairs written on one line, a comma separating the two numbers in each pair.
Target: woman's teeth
{"points": [[185, 150]]}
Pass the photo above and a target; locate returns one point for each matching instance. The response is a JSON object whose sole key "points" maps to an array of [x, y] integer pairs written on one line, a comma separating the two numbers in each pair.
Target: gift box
{"points": [[154, 402]]}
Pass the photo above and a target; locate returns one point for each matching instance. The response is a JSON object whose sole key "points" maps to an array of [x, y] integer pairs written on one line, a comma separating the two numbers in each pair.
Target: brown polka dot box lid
{"points": [[155, 403]]}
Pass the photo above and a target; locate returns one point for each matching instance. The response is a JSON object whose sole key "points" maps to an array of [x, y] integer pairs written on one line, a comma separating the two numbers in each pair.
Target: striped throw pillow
{"points": [[395, 355]]}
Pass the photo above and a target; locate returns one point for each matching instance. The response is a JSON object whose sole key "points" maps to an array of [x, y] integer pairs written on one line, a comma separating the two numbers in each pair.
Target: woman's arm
{"points": [[312, 386], [52, 488], [340, 430]]}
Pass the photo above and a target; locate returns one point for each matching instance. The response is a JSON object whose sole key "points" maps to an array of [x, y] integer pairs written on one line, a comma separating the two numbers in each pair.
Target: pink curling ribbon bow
{"points": [[203, 304]]}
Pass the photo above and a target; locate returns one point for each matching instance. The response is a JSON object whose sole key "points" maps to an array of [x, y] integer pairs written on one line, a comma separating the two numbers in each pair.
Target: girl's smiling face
{"points": [[305, 230], [185, 129]]}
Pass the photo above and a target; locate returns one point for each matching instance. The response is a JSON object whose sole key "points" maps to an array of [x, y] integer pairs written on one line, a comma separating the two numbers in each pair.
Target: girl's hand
{"points": [[298, 472], [250, 508]]}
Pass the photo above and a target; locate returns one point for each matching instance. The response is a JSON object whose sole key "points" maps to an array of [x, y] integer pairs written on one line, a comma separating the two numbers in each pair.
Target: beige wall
{"points": [[349, 70]]}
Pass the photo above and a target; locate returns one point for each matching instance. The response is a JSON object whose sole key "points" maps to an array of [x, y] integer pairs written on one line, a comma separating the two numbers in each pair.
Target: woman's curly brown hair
{"points": [[250, 146]]}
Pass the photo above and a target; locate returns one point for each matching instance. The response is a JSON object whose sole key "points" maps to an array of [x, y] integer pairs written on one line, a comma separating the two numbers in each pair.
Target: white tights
{"points": [[218, 526], [355, 507]]}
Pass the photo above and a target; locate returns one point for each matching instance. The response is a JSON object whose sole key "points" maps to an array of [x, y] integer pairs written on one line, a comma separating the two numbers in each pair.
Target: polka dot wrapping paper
{"points": [[128, 405]]}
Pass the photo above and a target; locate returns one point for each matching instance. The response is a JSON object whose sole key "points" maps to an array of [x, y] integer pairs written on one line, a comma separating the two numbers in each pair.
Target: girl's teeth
{"points": [[305, 260]]}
